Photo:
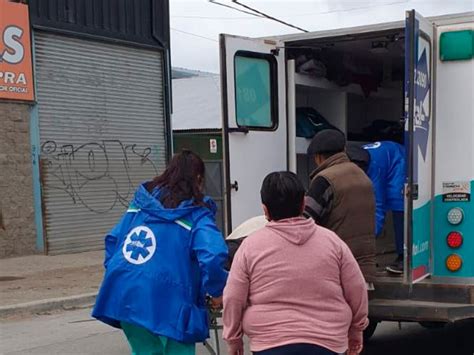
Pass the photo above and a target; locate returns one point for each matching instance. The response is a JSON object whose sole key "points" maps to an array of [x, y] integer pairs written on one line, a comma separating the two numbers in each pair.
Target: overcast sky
{"points": [[192, 20]]}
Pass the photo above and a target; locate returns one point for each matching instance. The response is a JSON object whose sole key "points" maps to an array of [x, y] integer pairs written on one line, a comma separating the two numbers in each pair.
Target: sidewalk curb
{"points": [[48, 305]]}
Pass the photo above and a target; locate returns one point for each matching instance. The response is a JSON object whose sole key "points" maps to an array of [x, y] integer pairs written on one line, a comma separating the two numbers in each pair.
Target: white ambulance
{"points": [[418, 73]]}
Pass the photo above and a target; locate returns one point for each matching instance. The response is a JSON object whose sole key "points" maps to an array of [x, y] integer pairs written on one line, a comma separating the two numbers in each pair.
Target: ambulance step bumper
{"points": [[419, 311]]}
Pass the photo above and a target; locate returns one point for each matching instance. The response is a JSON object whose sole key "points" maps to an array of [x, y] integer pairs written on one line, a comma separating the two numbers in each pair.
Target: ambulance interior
{"points": [[356, 84]]}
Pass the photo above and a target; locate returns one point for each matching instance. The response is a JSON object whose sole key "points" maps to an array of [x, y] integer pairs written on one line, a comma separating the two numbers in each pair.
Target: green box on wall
{"points": [[456, 45], [208, 145]]}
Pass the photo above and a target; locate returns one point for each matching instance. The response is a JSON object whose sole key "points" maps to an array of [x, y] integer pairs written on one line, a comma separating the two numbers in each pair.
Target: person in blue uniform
{"points": [[384, 163], [162, 260]]}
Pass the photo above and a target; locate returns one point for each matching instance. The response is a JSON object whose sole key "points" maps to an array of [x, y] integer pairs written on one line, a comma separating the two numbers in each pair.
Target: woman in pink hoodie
{"points": [[294, 287]]}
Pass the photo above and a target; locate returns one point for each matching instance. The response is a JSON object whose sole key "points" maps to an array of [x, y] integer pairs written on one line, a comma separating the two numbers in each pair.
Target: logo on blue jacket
{"points": [[374, 145], [139, 246]]}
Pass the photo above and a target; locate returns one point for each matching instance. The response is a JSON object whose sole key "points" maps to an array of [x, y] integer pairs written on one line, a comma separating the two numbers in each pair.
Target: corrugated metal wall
{"points": [[102, 132], [135, 21]]}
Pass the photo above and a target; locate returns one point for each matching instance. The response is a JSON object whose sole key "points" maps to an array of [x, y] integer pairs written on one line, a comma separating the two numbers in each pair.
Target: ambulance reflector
{"points": [[455, 216], [454, 240], [453, 262]]}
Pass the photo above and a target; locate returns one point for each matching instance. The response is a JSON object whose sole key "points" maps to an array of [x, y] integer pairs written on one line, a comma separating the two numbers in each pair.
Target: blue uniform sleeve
{"points": [[396, 178], [110, 246], [115, 236], [211, 252], [378, 183]]}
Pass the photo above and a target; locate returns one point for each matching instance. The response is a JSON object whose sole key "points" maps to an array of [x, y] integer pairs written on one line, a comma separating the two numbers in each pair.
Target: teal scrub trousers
{"points": [[143, 342]]}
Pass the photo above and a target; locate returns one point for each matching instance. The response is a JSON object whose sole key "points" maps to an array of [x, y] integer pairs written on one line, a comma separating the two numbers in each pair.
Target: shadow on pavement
{"points": [[453, 339]]}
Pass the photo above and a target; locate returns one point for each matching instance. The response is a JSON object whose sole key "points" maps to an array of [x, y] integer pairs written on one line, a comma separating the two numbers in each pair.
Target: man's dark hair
{"points": [[283, 193]]}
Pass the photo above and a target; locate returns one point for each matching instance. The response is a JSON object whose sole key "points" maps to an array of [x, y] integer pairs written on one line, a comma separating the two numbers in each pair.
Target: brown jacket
{"points": [[352, 214]]}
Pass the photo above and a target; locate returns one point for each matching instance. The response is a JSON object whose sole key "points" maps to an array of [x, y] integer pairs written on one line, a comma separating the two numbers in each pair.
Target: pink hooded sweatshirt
{"points": [[294, 282]]}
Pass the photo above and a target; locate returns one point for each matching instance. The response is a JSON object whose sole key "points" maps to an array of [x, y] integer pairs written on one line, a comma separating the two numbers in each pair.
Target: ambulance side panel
{"points": [[454, 158]]}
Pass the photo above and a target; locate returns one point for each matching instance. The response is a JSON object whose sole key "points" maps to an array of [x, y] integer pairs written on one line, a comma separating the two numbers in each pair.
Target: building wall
{"points": [[17, 225]]}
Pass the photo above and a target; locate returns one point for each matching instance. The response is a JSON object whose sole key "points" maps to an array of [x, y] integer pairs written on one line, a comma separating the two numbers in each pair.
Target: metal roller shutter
{"points": [[102, 132]]}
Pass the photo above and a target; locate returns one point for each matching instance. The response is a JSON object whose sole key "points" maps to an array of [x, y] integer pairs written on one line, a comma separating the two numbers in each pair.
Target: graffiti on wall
{"points": [[98, 175]]}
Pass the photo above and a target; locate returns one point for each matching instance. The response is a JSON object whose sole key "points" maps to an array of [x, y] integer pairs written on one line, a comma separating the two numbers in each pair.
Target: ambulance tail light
{"points": [[454, 240], [455, 216], [453, 262]]}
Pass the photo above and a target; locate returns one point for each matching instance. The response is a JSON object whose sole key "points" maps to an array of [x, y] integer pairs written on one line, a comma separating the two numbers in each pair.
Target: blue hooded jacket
{"points": [[160, 264], [387, 170]]}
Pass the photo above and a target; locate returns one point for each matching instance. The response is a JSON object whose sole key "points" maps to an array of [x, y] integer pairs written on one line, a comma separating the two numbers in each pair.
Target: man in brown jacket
{"points": [[341, 198]]}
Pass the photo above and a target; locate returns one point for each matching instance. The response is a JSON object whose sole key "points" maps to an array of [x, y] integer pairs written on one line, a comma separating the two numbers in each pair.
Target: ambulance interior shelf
{"points": [[356, 85], [324, 84], [309, 122]]}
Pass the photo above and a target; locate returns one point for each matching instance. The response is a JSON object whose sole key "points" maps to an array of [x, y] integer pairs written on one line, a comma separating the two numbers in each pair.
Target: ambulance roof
{"points": [[439, 20]]}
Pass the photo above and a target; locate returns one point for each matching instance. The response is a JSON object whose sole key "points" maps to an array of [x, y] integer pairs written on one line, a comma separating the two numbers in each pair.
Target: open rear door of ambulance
{"points": [[254, 121], [418, 140]]}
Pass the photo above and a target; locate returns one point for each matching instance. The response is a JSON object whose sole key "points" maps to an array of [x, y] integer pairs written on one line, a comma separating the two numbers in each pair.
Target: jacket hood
{"points": [[358, 155], [295, 230], [150, 203]]}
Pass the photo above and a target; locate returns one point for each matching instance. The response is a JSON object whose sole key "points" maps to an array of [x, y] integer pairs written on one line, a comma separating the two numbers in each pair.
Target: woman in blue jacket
{"points": [[161, 261]]}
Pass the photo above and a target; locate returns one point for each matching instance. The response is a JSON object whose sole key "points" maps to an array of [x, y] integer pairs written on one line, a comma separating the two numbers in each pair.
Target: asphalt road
{"points": [[73, 332]]}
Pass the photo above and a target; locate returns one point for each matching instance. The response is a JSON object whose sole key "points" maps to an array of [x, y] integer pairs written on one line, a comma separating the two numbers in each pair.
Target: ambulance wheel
{"points": [[370, 330], [433, 325]]}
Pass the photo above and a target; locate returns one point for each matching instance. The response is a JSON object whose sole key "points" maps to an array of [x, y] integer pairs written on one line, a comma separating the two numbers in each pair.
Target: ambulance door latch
{"points": [[235, 186]]}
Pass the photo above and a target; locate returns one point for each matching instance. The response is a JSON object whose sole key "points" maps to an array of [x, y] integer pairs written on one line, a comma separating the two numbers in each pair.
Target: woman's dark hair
{"points": [[181, 180], [283, 193]]}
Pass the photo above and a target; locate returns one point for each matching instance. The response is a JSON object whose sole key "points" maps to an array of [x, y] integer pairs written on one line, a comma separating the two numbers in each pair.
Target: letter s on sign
{"points": [[11, 39]]}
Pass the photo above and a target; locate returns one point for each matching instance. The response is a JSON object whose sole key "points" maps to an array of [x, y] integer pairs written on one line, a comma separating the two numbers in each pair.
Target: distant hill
{"points": [[181, 73]]}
